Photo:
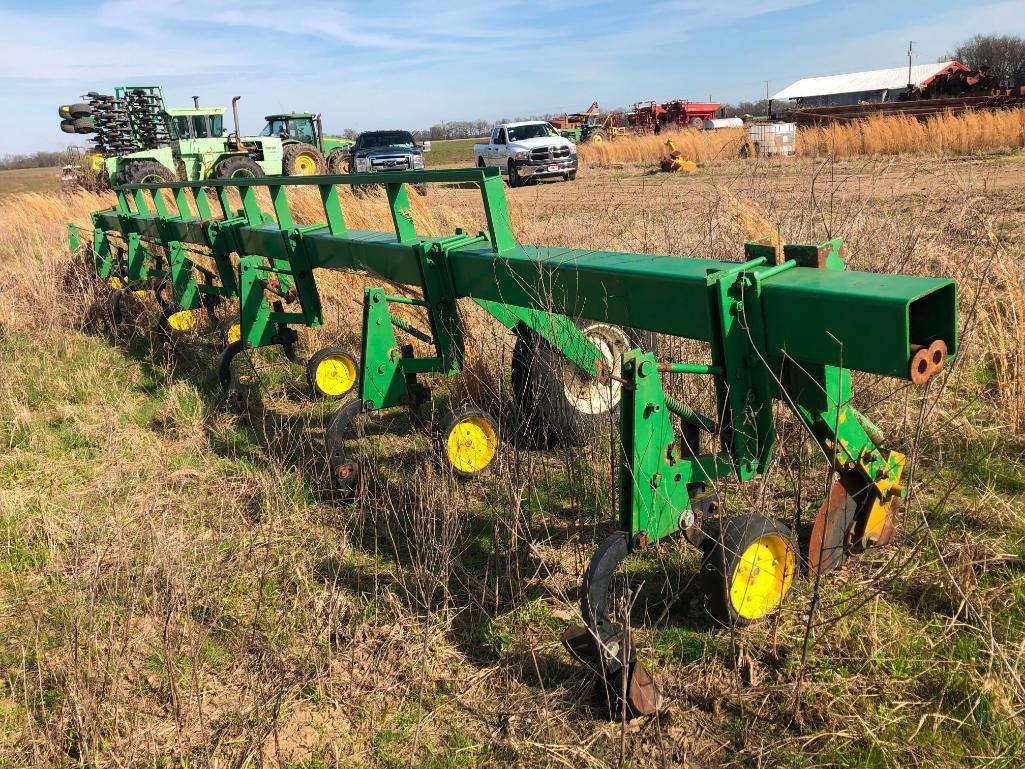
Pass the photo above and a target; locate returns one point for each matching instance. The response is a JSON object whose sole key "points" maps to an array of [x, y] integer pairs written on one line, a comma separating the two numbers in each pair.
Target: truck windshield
{"points": [[531, 131], [397, 139], [291, 128]]}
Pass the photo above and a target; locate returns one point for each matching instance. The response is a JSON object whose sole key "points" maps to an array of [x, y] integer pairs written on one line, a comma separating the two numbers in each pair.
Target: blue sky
{"points": [[411, 63]]}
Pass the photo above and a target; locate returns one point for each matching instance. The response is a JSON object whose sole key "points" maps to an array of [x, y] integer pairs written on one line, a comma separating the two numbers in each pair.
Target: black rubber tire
{"points": [[344, 470], [317, 359], [64, 112], [145, 172], [291, 153], [116, 312], [724, 554], [514, 176], [84, 125], [481, 163], [598, 134], [238, 167], [338, 162], [546, 416], [80, 110], [571, 176], [68, 126], [444, 429]]}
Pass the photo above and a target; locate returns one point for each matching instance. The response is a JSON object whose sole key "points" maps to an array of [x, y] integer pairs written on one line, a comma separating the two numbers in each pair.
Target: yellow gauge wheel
{"points": [[749, 568], [470, 442], [115, 282], [233, 333], [183, 320], [763, 577], [305, 164], [141, 293], [332, 372]]}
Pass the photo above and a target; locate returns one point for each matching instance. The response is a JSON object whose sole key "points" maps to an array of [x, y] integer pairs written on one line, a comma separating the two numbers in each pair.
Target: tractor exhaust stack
{"points": [[234, 115]]}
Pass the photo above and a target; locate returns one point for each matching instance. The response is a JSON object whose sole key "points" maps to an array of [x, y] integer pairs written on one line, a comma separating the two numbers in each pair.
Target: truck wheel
{"points": [[597, 136], [302, 160], [514, 176], [481, 163], [570, 176], [238, 167], [338, 162], [146, 172]]}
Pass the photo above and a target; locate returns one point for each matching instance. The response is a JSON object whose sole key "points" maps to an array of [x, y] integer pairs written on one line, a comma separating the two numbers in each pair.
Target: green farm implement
{"points": [[783, 327]]}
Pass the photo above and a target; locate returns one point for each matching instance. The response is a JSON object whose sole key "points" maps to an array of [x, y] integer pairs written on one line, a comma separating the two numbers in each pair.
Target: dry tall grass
{"points": [[699, 146], [945, 134]]}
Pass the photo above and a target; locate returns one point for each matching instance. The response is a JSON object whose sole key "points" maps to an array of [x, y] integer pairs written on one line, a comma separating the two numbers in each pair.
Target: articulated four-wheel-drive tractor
{"points": [[307, 151], [200, 148]]}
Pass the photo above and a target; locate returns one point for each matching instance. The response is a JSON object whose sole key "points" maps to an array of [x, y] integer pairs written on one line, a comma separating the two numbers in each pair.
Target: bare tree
{"points": [[1003, 54]]}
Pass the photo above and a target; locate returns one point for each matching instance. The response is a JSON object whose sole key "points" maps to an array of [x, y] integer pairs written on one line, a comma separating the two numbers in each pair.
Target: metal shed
{"points": [[872, 86]]}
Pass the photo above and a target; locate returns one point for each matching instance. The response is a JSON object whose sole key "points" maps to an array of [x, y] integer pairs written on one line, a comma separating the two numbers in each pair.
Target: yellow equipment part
{"points": [[96, 162], [335, 374], [183, 320], [881, 518], [472, 444], [114, 282], [676, 160], [305, 164], [234, 333], [763, 577]]}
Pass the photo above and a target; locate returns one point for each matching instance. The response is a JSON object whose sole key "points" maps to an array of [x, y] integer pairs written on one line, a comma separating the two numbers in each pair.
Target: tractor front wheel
{"points": [[338, 162], [302, 160], [146, 172], [238, 167]]}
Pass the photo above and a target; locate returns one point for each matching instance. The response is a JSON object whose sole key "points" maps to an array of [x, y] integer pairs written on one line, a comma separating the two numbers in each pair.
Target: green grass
{"points": [[28, 180], [452, 153]]}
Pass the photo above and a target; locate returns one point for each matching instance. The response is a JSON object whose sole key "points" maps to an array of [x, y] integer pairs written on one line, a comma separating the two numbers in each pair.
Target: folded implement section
{"points": [[787, 328]]}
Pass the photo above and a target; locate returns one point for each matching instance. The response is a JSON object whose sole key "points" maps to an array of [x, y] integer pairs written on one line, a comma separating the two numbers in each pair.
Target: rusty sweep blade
{"points": [[827, 544], [642, 695]]}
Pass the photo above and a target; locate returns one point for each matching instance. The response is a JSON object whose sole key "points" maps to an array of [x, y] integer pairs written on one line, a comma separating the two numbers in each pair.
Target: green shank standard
{"points": [[787, 328]]}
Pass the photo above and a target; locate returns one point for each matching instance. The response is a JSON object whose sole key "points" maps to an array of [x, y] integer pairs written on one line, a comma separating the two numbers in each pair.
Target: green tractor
{"points": [[200, 148], [306, 149]]}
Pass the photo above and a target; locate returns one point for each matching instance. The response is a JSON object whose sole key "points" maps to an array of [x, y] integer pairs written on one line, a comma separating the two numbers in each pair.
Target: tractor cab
{"points": [[191, 124], [298, 126]]}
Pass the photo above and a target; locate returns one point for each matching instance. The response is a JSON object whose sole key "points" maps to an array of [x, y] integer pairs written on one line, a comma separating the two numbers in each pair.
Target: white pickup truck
{"points": [[527, 150]]}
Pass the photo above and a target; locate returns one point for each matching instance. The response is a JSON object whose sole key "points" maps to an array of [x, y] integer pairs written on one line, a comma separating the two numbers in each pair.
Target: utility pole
{"points": [[768, 106], [911, 45]]}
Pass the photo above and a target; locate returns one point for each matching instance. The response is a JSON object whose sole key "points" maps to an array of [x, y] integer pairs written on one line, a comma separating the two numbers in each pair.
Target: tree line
{"points": [[32, 160]]}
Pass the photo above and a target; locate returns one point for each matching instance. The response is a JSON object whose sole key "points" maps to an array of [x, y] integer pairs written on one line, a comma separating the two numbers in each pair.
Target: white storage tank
{"points": [[723, 122], [773, 138]]}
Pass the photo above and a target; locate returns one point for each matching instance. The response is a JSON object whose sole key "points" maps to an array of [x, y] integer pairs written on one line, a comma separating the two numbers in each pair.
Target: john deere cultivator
{"points": [[788, 329]]}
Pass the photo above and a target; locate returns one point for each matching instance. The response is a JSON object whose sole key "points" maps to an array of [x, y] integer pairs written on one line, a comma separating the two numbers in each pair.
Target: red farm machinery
{"points": [[678, 113]]}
